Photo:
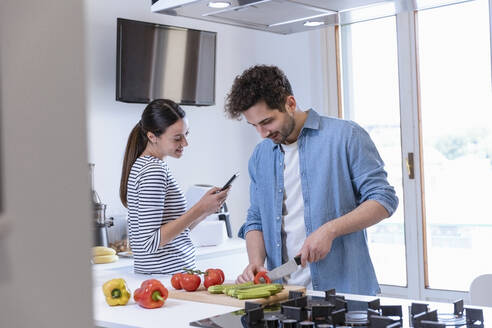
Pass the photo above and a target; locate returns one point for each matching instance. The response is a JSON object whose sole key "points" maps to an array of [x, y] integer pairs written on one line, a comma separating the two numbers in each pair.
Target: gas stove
{"points": [[332, 310]]}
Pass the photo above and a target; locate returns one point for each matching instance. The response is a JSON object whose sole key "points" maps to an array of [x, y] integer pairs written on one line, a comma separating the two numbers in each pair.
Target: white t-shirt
{"points": [[293, 226]]}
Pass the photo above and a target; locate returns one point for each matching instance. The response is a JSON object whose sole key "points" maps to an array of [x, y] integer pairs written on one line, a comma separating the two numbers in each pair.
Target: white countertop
{"points": [[230, 246], [179, 313], [174, 313]]}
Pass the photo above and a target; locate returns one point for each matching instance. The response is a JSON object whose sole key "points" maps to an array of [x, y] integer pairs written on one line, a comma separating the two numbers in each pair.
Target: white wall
{"points": [[218, 146], [44, 255]]}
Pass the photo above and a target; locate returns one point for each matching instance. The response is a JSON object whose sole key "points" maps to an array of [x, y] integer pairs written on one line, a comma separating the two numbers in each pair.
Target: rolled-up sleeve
{"points": [[369, 178], [253, 219], [151, 196]]}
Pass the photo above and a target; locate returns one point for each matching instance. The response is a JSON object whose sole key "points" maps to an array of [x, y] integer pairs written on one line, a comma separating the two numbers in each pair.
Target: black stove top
{"points": [[334, 310]]}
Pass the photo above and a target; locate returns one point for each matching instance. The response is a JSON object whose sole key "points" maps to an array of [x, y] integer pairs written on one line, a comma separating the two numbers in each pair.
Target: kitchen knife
{"points": [[285, 269]]}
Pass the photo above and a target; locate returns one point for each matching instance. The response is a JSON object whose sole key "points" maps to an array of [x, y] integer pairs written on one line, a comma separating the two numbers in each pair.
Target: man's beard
{"points": [[286, 130]]}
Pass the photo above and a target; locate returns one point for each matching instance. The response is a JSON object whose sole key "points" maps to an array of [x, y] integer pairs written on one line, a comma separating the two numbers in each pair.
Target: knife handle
{"points": [[298, 259]]}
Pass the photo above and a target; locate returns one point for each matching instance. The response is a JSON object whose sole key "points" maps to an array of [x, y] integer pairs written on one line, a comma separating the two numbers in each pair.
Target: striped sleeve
{"points": [[152, 187]]}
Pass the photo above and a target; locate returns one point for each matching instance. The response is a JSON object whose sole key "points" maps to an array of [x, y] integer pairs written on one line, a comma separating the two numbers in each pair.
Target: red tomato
{"points": [[220, 272], [176, 281], [190, 282], [212, 278], [222, 276]]}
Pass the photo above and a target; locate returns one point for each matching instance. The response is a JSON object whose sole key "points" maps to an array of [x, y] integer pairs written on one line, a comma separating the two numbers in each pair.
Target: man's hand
{"points": [[317, 245], [249, 273]]}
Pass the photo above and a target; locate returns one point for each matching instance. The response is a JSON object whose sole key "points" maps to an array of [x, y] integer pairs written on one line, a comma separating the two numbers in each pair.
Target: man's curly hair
{"points": [[257, 83]]}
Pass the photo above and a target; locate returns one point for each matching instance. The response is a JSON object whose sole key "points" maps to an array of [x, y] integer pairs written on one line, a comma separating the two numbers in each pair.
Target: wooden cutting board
{"points": [[203, 296]]}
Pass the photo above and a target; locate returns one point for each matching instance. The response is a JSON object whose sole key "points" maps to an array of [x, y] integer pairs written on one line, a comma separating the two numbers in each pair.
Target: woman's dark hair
{"points": [[156, 118], [258, 83]]}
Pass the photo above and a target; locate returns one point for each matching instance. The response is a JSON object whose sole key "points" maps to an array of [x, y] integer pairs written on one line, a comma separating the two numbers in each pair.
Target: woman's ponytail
{"points": [[134, 148]]}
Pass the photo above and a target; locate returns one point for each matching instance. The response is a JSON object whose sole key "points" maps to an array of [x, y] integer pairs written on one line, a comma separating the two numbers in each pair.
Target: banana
{"points": [[104, 259], [101, 250]]}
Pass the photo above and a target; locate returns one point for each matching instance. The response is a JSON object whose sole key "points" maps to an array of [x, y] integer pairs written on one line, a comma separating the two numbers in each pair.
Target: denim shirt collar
{"points": [[312, 122]]}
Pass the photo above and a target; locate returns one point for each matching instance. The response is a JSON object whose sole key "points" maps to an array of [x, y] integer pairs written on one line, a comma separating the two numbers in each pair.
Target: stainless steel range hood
{"points": [[290, 16], [278, 16]]}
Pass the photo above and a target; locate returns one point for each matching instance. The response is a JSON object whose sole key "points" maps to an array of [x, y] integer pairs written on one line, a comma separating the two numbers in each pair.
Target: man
{"points": [[316, 184]]}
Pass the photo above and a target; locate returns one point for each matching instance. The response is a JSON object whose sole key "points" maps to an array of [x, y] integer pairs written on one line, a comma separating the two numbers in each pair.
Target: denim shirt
{"points": [[340, 168]]}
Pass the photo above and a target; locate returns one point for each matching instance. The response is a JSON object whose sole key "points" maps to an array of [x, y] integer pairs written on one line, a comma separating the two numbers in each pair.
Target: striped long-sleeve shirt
{"points": [[154, 198]]}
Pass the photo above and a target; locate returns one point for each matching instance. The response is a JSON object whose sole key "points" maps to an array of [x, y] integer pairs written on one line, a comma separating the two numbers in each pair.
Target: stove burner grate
{"points": [[449, 319], [335, 311], [356, 318]]}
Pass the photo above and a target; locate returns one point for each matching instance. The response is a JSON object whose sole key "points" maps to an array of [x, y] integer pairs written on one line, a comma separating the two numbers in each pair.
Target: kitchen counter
{"points": [[235, 247], [179, 313], [174, 313]]}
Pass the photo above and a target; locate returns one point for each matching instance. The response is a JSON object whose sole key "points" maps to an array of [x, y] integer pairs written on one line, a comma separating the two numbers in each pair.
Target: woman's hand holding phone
{"points": [[215, 197], [213, 200]]}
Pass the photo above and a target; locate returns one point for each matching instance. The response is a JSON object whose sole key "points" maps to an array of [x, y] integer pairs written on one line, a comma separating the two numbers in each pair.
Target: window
{"points": [[456, 124], [445, 59], [371, 98]]}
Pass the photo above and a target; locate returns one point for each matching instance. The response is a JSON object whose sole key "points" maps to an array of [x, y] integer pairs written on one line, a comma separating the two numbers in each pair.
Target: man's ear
{"points": [[290, 104]]}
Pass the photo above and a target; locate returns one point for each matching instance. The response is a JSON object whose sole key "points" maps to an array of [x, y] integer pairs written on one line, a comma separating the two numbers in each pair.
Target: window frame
{"points": [[413, 201]]}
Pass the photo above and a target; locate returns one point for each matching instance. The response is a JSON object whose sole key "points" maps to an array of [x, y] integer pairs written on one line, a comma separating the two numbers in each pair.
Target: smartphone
{"points": [[228, 183]]}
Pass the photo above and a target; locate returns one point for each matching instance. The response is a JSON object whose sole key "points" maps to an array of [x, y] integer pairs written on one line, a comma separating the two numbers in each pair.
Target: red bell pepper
{"points": [[262, 278], [151, 294]]}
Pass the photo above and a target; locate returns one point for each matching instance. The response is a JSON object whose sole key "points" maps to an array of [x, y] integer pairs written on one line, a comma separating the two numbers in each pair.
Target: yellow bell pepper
{"points": [[116, 292]]}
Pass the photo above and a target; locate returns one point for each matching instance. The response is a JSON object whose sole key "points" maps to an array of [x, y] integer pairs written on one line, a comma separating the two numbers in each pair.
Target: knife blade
{"points": [[285, 269]]}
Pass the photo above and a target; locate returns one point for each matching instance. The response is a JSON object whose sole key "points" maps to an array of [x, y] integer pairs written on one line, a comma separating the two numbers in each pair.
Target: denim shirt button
{"points": [[278, 245], [278, 217], [280, 190]]}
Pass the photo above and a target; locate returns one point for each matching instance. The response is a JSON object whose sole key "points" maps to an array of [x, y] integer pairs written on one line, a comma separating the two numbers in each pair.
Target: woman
{"points": [[158, 225]]}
